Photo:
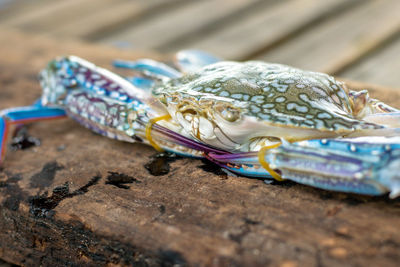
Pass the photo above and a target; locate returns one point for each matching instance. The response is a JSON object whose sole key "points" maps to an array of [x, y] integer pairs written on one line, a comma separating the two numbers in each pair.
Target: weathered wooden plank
{"points": [[20, 7], [177, 23], [333, 45], [4, 3], [382, 67], [55, 212], [265, 27], [45, 14], [83, 19], [115, 15], [69, 12]]}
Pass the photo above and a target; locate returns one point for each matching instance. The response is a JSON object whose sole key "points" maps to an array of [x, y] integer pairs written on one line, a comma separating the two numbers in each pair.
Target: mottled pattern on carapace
{"points": [[274, 93]]}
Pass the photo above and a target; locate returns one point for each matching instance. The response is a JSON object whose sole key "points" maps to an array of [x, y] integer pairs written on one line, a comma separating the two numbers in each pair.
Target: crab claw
{"points": [[360, 165]]}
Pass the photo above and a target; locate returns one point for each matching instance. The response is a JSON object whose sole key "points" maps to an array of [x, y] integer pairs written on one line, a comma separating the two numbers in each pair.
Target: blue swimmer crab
{"points": [[252, 118]]}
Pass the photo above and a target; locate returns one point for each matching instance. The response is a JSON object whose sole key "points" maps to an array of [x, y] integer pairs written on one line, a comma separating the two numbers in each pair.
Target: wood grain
{"points": [[46, 14], [380, 67], [332, 36], [265, 27], [18, 8], [111, 18], [56, 207], [334, 45], [186, 19]]}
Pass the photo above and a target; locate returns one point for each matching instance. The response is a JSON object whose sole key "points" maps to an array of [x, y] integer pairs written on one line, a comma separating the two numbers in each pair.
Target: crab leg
{"points": [[22, 115], [142, 83], [66, 74], [185, 61], [148, 66], [192, 60], [163, 133]]}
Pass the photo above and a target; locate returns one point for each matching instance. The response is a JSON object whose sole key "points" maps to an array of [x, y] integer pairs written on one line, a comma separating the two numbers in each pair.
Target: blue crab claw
{"points": [[365, 165]]}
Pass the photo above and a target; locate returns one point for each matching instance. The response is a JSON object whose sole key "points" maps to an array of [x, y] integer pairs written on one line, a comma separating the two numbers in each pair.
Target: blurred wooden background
{"points": [[356, 39]]}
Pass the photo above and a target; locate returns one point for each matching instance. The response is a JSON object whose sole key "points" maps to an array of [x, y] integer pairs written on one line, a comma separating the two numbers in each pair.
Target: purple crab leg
{"points": [[22, 115], [149, 66], [184, 141], [245, 163]]}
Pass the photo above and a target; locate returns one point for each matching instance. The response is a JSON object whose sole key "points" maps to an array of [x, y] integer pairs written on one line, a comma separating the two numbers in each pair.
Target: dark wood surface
{"points": [[356, 39], [58, 206]]}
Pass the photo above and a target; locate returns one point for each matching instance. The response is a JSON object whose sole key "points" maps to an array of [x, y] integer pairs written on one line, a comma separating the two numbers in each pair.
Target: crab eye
{"points": [[228, 113]]}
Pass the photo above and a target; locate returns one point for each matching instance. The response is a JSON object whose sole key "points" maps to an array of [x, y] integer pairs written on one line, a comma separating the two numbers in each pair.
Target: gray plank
{"points": [[3, 4], [52, 13], [380, 68], [265, 26], [111, 17], [13, 8], [333, 45], [176, 23]]}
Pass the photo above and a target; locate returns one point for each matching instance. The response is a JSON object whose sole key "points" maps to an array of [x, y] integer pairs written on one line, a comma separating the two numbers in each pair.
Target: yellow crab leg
{"points": [[149, 127], [265, 164]]}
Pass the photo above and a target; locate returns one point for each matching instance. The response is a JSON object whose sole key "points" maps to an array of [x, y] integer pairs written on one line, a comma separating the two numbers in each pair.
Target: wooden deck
{"points": [[356, 39], [58, 204]]}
